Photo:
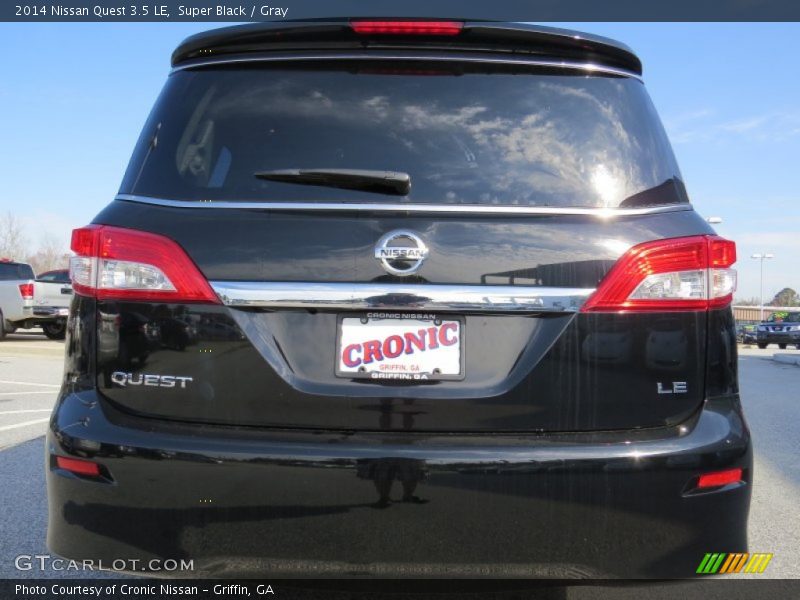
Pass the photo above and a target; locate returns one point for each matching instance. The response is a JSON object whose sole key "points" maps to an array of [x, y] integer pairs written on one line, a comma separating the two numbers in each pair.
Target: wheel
{"points": [[782, 346], [55, 331], [762, 346], [2, 326]]}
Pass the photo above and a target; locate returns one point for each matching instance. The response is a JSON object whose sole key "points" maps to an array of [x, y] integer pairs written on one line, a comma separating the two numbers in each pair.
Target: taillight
{"points": [[371, 27], [26, 291], [676, 274], [113, 263]]}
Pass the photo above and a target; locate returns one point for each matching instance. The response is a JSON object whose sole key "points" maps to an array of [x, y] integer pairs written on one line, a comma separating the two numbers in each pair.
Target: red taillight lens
{"points": [[83, 240], [676, 274], [114, 263], [79, 466], [719, 478], [407, 27], [26, 291], [721, 252]]}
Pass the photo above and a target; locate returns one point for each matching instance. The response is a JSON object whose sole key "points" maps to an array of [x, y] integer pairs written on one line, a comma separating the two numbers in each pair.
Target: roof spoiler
{"points": [[519, 39]]}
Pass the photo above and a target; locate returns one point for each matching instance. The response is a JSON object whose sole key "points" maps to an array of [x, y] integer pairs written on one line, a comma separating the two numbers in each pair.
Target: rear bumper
{"points": [[249, 502], [33, 316], [53, 312]]}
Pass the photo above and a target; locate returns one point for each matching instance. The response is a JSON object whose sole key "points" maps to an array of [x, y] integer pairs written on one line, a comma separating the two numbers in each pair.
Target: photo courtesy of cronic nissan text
{"points": [[322, 299]]}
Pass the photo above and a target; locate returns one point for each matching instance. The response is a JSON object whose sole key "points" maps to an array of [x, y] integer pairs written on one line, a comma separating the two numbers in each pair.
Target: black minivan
{"points": [[401, 298]]}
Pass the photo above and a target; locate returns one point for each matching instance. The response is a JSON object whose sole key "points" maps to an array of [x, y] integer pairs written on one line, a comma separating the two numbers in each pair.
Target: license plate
{"points": [[396, 346], [63, 312]]}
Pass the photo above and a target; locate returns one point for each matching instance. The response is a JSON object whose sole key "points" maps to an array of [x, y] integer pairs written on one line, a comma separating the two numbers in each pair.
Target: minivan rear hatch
{"points": [[528, 181]]}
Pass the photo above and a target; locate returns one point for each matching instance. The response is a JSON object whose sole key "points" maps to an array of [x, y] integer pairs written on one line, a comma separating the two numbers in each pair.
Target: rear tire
{"points": [[762, 346], [782, 346], [55, 331]]}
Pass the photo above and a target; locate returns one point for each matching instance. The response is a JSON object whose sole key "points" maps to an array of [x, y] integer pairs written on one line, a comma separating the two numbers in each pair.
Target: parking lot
{"points": [[30, 371]]}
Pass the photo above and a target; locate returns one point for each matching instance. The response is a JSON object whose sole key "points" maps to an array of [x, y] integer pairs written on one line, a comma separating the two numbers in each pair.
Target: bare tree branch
{"points": [[13, 244], [52, 254]]}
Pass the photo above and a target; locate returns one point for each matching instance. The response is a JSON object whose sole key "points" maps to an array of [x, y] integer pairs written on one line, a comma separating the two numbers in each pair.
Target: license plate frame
{"points": [[422, 320]]}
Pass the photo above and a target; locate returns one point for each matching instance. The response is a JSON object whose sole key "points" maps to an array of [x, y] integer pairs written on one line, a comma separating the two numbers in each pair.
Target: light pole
{"points": [[762, 257]]}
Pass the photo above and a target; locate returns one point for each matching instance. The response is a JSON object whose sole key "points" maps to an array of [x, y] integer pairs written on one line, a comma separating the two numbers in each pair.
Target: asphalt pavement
{"points": [[31, 369]]}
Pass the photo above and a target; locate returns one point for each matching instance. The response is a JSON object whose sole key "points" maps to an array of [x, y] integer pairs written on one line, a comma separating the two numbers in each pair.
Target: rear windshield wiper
{"points": [[381, 182]]}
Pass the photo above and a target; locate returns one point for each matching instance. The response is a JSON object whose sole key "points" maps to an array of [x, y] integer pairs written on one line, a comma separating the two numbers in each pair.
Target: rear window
{"points": [[781, 316], [464, 135], [54, 277], [13, 271]]}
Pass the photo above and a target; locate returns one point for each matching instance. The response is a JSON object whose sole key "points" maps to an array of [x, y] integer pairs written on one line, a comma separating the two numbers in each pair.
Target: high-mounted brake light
{"points": [[114, 263], [26, 291], [675, 274], [407, 27]]}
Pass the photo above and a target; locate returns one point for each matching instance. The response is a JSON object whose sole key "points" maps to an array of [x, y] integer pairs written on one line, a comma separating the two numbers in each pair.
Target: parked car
{"points": [[781, 328], [746, 334], [27, 301], [325, 202], [52, 296]]}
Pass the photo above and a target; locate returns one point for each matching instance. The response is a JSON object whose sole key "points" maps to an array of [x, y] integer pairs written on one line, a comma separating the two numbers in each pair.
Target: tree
{"points": [[13, 244], [747, 301], [51, 255], [786, 297]]}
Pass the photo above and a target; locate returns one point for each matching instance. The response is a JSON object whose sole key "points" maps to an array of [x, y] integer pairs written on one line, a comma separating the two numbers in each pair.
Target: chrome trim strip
{"points": [[489, 209], [416, 297], [587, 67]]}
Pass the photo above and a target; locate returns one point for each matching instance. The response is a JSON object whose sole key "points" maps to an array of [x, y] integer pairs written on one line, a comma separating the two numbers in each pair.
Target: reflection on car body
{"points": [[612, 346], [667, 345]]}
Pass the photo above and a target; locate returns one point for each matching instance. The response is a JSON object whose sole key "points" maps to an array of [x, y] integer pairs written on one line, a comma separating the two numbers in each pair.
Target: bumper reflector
{"points": [[78, 466], [719, 478]]}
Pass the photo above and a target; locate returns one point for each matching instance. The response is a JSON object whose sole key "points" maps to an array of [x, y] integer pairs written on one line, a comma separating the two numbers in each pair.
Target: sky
{"points": [[73, 97]]}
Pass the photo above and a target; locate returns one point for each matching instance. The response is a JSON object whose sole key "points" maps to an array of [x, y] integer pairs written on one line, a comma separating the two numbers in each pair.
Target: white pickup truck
{"points": [[27, 301]]}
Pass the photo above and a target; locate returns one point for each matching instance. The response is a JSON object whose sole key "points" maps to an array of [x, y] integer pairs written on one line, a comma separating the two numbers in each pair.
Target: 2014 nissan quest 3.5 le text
{"points": [[401, 298]]}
